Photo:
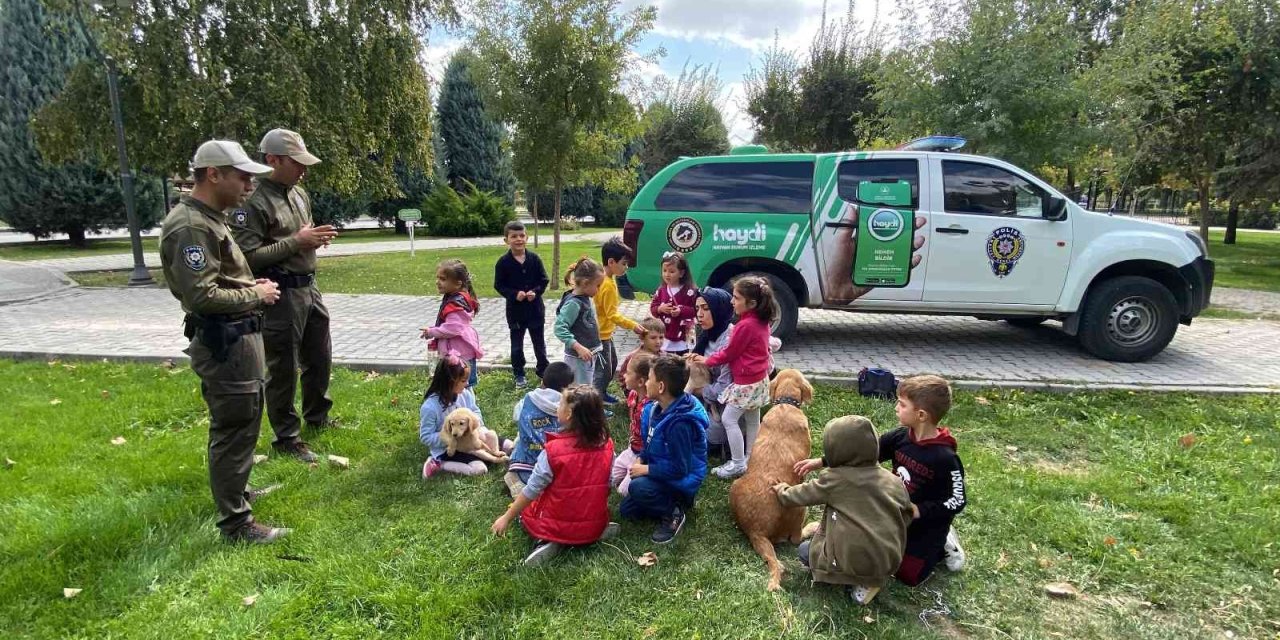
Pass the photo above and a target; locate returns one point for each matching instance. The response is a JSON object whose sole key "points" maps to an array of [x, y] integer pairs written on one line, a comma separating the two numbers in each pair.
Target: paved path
{"points": [[1247, 300], [23, 281], [125, 261], [382, 331]]}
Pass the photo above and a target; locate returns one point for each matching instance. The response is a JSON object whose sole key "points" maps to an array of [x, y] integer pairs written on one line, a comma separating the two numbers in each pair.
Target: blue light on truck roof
{"points": [[934, 143]]}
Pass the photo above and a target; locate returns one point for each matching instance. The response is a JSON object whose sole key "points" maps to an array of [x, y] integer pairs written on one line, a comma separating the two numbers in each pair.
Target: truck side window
{"points": [[740, 187], [885, 170], [969, 187]]}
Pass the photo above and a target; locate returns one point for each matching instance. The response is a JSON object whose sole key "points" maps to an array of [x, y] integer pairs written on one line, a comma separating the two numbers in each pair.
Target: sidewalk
{"points": [[381, 331], [125, 261], [21, 281]]}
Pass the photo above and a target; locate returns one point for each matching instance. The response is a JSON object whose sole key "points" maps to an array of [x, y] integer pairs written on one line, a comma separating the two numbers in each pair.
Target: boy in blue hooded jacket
{"points": [[535, 417], [666, 478]]}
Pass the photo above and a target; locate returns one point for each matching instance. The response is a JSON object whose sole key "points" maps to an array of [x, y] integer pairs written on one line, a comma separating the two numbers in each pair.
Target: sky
{"points": [[729, 35]]}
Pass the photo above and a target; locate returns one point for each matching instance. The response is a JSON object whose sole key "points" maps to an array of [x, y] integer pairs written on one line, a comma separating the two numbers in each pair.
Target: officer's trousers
{"points": [[296, 337], [234, 392]]}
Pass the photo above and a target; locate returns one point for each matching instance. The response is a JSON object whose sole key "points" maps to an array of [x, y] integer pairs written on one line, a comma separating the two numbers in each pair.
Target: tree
{"points": [[684, 119], [37, 49], [558, 65], [773, 97], [345, 74], [471, 140]]}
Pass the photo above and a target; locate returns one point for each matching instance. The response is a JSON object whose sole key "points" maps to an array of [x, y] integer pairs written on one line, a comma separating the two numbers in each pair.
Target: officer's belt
{"points": [[291, 280], [240, 324]]}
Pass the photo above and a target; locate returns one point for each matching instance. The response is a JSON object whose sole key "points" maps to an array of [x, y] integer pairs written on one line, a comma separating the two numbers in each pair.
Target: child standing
{"points": [[666, 478], [747, 355], [650, 343], [448, 391], [535, 416], [576, 324], [616, 257], [865, 515], [634, 381], [673, 303], [452, 332], [923, 455], [566, 502], [520, 279]]}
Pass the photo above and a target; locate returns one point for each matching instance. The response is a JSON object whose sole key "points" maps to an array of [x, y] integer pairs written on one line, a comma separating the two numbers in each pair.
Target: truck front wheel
{"points": [[1128, 319], [786, 312]]}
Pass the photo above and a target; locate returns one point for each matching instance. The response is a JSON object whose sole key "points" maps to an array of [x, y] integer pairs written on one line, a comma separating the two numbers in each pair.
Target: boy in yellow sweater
{"points": [[616, 257]]}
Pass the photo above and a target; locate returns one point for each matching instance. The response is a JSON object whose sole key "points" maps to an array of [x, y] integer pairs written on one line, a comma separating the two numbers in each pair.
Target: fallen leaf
{"points": [[1187, 440], [168, 364], [260, 458], [249, 600], [1061, 590], [372, 375], [1135, 553], [106, 394], [868, 619], [340, 461], [1044, 563], [1002, 561], [313, 465], [69, 367], [1110, 541], [982, 401], [1033, 547], [647, 559], [118, 440], [1248, 439], [53, 363], [395, 401], [55, 402], [71, 593], [1011, 449]]}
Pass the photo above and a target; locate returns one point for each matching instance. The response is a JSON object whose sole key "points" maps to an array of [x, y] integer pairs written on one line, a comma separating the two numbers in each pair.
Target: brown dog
{"points": [[461, 432], [783, 441]]}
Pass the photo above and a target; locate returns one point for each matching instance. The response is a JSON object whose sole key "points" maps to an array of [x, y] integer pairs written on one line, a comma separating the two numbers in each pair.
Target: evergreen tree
{"points": [[38, 49], [471, 140]]}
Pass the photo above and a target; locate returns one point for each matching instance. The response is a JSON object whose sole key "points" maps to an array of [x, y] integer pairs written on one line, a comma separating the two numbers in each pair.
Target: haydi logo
{"points": [[886, 224], [738, 235]]}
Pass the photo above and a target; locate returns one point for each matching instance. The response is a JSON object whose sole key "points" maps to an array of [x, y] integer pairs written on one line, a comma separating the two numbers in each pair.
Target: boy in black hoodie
{"points": [[923, 455]]}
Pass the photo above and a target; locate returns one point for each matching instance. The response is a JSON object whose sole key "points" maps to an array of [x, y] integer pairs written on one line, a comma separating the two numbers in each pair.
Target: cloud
{"points": [[735, 115], [754, 24], [435, 56]]}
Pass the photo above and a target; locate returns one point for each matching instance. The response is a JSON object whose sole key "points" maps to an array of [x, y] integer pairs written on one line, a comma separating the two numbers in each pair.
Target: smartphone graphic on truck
{"points": [[886, 230]]}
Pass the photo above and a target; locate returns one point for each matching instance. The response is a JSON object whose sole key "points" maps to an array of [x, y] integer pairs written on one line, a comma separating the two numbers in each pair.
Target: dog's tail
{"points": [[764, 547]]}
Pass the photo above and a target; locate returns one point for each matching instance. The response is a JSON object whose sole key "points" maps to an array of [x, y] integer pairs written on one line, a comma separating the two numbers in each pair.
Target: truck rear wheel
{"points": [[1128, 319], [786, 312]]}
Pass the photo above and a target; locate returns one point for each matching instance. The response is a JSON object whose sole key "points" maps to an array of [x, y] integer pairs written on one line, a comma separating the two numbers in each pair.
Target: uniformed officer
{"points": [[276, 233], [208, 274]]}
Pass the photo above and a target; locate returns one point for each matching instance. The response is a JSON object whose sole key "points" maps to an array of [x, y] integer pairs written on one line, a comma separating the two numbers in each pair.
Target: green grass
{"points": [[1253, 262], [1053, 479], [391, 273]]}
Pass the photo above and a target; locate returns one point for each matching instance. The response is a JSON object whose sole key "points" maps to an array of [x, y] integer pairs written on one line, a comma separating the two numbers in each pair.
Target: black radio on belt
{"points": [[286, 280], [219, 332]]}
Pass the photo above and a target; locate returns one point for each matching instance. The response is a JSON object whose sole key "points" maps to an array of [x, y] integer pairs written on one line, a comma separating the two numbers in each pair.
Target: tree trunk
{"points": [[555, 252], [535, 220], [1071, 185], [75, 238], [1202, 189], [1233, 218]]}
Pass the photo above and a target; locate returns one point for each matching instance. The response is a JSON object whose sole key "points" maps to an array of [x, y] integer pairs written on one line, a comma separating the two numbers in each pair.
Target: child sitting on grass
{"points": [[566, 502], [536, 416], [634, 381], [865, 514], [449, 391]]}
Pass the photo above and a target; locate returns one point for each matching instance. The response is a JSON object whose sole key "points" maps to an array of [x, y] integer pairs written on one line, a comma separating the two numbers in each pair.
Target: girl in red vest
{"points": [[566, 501]]}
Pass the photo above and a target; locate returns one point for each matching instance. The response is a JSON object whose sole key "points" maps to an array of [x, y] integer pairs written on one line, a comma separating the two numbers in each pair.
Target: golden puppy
{"points": [[461, 432], [699, 377], [783, 441]]}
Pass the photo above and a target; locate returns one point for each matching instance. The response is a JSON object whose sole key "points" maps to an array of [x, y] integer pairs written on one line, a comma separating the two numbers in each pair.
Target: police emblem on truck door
{"points": [[1005, 247]]}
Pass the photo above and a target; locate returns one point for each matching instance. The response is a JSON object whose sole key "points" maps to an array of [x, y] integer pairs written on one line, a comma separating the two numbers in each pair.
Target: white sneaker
{"points": [[730, 469], [611, 530], [952, 552], [542, 553]]}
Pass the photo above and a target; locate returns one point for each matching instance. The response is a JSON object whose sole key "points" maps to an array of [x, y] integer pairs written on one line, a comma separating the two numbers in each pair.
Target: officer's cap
{"points": [[225, 153], [283, 142]]}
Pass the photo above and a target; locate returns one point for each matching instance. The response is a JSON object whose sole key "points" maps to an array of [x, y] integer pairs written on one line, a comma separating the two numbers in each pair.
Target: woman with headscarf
{"points": [[715, 317]]}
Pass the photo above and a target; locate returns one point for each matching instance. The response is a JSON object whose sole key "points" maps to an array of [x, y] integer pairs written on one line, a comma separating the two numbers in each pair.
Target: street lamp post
{"points": [[140, 276]]}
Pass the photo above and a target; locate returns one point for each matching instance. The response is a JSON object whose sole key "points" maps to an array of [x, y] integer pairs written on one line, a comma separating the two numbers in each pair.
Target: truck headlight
{"points": [[1199, 242]]}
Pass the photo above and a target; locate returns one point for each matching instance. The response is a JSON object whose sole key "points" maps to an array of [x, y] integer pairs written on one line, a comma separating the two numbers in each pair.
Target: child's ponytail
{"points": [[584, 269]]}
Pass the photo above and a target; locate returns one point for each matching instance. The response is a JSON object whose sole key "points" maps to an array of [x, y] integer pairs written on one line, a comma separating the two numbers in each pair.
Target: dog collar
{"points": [[791, 401]]}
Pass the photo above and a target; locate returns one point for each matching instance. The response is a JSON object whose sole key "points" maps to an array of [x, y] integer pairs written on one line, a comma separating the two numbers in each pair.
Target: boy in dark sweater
{"points": [[923, 455], [520, 278]]}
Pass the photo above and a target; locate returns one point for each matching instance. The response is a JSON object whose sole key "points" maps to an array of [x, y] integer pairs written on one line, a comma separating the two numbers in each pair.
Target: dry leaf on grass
{"points": [[1011, 449], [8, 463], [55, 402], [647, 559], [372, 375], [1002, 561], [1187, 440], [982, 401], [1248, 439], [313, 465], [395, 401], [1064, 590], [1110, 541], [340, 461], [71, 593], [868, 619], [106, 394], [260, 458], [118, 440], [249, 600], [1044, 563]]}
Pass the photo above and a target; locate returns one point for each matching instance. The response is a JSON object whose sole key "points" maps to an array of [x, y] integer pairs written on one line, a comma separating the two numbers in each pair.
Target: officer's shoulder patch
{"points": [[239, 216], [194, 256]]}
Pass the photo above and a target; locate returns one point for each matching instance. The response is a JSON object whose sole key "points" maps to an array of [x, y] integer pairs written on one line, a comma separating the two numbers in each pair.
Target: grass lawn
{"points": [[392, 273], [1164, 540], [1253, 262]]}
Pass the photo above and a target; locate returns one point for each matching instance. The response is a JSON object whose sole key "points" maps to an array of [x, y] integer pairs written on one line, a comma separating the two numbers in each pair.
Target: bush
{"points": [[478, 213], [1257, 220], [330, 207], [577, 202], [613, 212]]}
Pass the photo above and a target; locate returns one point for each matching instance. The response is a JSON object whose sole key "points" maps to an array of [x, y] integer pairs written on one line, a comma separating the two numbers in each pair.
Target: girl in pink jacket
{"points": [[452, 331]]}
